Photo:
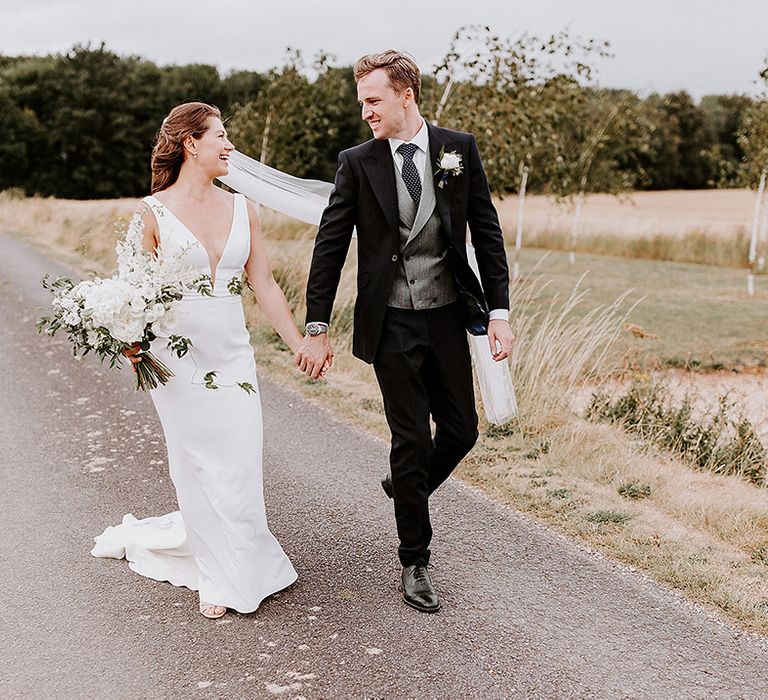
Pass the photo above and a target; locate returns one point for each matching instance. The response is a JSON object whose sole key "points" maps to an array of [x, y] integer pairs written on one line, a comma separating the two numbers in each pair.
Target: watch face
{"points": [[315, 328]]}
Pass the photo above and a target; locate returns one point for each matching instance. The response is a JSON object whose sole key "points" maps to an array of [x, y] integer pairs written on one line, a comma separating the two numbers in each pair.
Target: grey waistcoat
{"points": [[423, 279]]}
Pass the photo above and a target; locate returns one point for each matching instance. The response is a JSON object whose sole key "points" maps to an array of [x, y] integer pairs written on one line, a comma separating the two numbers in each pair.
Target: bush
{"points": [[634, 490], [601, 517], [715, 441]]}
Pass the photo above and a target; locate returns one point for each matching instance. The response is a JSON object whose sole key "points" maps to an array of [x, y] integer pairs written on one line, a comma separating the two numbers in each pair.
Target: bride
{"points": [[218, 542]]}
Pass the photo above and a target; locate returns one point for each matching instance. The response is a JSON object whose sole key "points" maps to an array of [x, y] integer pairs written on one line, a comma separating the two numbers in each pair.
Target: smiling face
{"points": [[386, 111], [212, 149]]}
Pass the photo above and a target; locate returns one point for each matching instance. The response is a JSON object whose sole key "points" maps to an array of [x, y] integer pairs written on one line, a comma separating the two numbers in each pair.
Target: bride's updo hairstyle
{"points": [[189, 119]]}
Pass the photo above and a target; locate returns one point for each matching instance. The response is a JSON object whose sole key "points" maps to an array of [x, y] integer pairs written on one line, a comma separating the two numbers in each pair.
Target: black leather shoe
{"points": [[418, 591], [386, 484]]}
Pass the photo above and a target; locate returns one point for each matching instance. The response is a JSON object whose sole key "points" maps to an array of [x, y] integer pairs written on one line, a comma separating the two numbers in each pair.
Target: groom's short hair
{"points": [[400, 68]]}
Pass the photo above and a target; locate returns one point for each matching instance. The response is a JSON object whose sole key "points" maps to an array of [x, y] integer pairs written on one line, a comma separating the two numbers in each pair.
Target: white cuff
{"points": [[499, 315]]}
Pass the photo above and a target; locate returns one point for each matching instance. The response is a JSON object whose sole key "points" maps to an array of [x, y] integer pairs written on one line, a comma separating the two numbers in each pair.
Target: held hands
{"points": [[500, 339], [314, 355]]}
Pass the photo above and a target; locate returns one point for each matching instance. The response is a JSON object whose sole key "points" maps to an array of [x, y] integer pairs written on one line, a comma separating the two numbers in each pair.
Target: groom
{"points": [[410, 193]]}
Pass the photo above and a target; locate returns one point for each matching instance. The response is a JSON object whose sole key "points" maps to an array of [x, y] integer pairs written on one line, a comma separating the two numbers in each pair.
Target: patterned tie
{"points": [[410, 174]]}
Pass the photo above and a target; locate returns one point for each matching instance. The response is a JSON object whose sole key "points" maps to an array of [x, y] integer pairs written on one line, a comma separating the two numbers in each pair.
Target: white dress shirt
{"points": [[421, 140]]}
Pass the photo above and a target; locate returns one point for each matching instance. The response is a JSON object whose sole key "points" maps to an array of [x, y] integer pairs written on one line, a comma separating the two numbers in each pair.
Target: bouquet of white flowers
{"points": [[135, 305]]}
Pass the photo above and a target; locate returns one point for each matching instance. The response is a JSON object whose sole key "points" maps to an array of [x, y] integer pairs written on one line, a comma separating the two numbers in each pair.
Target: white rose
{"points": [[72, 318], [450, 161], [138, 306], [127, 328], [92, 338], [114, 305], [81, 289], [166, 324], [67, 309], [155, 312]]}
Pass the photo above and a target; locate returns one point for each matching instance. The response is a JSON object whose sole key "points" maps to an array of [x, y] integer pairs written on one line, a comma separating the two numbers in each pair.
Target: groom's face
{"points": [[382, 107]]}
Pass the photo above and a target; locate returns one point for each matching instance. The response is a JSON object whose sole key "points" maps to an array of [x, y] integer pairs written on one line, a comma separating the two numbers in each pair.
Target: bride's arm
{"points": [[268, 293]]}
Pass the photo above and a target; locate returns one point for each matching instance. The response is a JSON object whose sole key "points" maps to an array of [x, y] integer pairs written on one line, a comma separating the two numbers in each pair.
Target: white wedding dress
{"points": [[218, 542]]}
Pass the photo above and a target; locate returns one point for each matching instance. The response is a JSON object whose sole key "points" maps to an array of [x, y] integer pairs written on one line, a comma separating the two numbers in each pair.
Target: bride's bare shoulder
{"points": [[167, 197], [254, 216]]}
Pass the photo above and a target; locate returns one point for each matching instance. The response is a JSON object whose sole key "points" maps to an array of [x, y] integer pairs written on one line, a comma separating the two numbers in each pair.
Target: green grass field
{"points": [[701, 314]]}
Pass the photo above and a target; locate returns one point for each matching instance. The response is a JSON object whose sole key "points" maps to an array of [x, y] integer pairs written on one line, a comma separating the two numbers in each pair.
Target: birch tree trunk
{"points": [[443, 101], [520, 219], [761, 238], [577, 221], [757, 239], [265, 139], [756, 217]]}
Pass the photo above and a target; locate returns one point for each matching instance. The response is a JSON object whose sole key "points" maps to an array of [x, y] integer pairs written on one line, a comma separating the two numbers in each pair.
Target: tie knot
{"points": [[407, 150]]}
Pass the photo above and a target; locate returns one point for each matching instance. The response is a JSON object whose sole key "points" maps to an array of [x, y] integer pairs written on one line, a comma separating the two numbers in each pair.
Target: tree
{"points": [[599, 142], [241, 86], [19, 128], [29, 81], [272, 127], [339, 123], [723, 115], [753, 139], [681, 153], [298, 125], [512, 93], [97, 113], [196, 82]]}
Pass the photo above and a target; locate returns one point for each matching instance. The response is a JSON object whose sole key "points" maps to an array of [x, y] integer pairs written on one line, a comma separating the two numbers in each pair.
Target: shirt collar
{"points": [[421, 139]]}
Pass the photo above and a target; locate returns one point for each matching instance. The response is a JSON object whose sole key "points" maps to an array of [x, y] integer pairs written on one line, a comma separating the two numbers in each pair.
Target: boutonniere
{"points": [[448, 164]]}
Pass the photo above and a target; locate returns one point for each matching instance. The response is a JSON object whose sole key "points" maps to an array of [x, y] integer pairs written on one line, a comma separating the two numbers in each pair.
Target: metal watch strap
{"points": [[316, 328]]}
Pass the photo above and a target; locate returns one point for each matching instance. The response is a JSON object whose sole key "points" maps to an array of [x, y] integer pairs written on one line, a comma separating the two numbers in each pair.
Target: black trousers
{"points": [[424, 369]]}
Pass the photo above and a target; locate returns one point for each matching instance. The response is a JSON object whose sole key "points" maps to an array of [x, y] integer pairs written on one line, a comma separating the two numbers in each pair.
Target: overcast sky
{"points": [[703, 46]]}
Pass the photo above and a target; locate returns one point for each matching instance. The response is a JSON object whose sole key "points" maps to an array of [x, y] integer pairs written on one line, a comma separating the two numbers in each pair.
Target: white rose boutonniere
{"points": [[448, 164]]}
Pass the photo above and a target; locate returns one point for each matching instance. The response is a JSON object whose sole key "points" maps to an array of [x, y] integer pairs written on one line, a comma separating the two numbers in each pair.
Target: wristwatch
{"points": [[316, 328]]}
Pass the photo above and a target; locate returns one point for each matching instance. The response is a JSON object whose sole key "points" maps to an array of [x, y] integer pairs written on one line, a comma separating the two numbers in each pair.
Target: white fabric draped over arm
{"points": [[494, 378]]}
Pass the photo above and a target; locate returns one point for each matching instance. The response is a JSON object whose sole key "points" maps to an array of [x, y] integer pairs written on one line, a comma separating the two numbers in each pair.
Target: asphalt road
{"points": [[527, 613]]}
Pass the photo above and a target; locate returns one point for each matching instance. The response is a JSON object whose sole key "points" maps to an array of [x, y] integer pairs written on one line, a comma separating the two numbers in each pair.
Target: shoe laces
{"points": [[421, 574]]}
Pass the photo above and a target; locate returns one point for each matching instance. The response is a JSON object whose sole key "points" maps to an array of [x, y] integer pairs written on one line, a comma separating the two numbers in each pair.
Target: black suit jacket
{"points": [[364, 197]]}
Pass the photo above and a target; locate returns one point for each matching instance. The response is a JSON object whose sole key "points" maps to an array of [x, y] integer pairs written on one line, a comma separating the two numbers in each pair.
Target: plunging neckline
{"points": [[215, 268]]}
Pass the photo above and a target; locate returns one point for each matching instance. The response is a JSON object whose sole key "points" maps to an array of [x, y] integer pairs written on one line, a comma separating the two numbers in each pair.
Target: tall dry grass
{"points": [[704, 226], [696, 246], [698, 226], [721, 440], [557, 350], [88, 229]]}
